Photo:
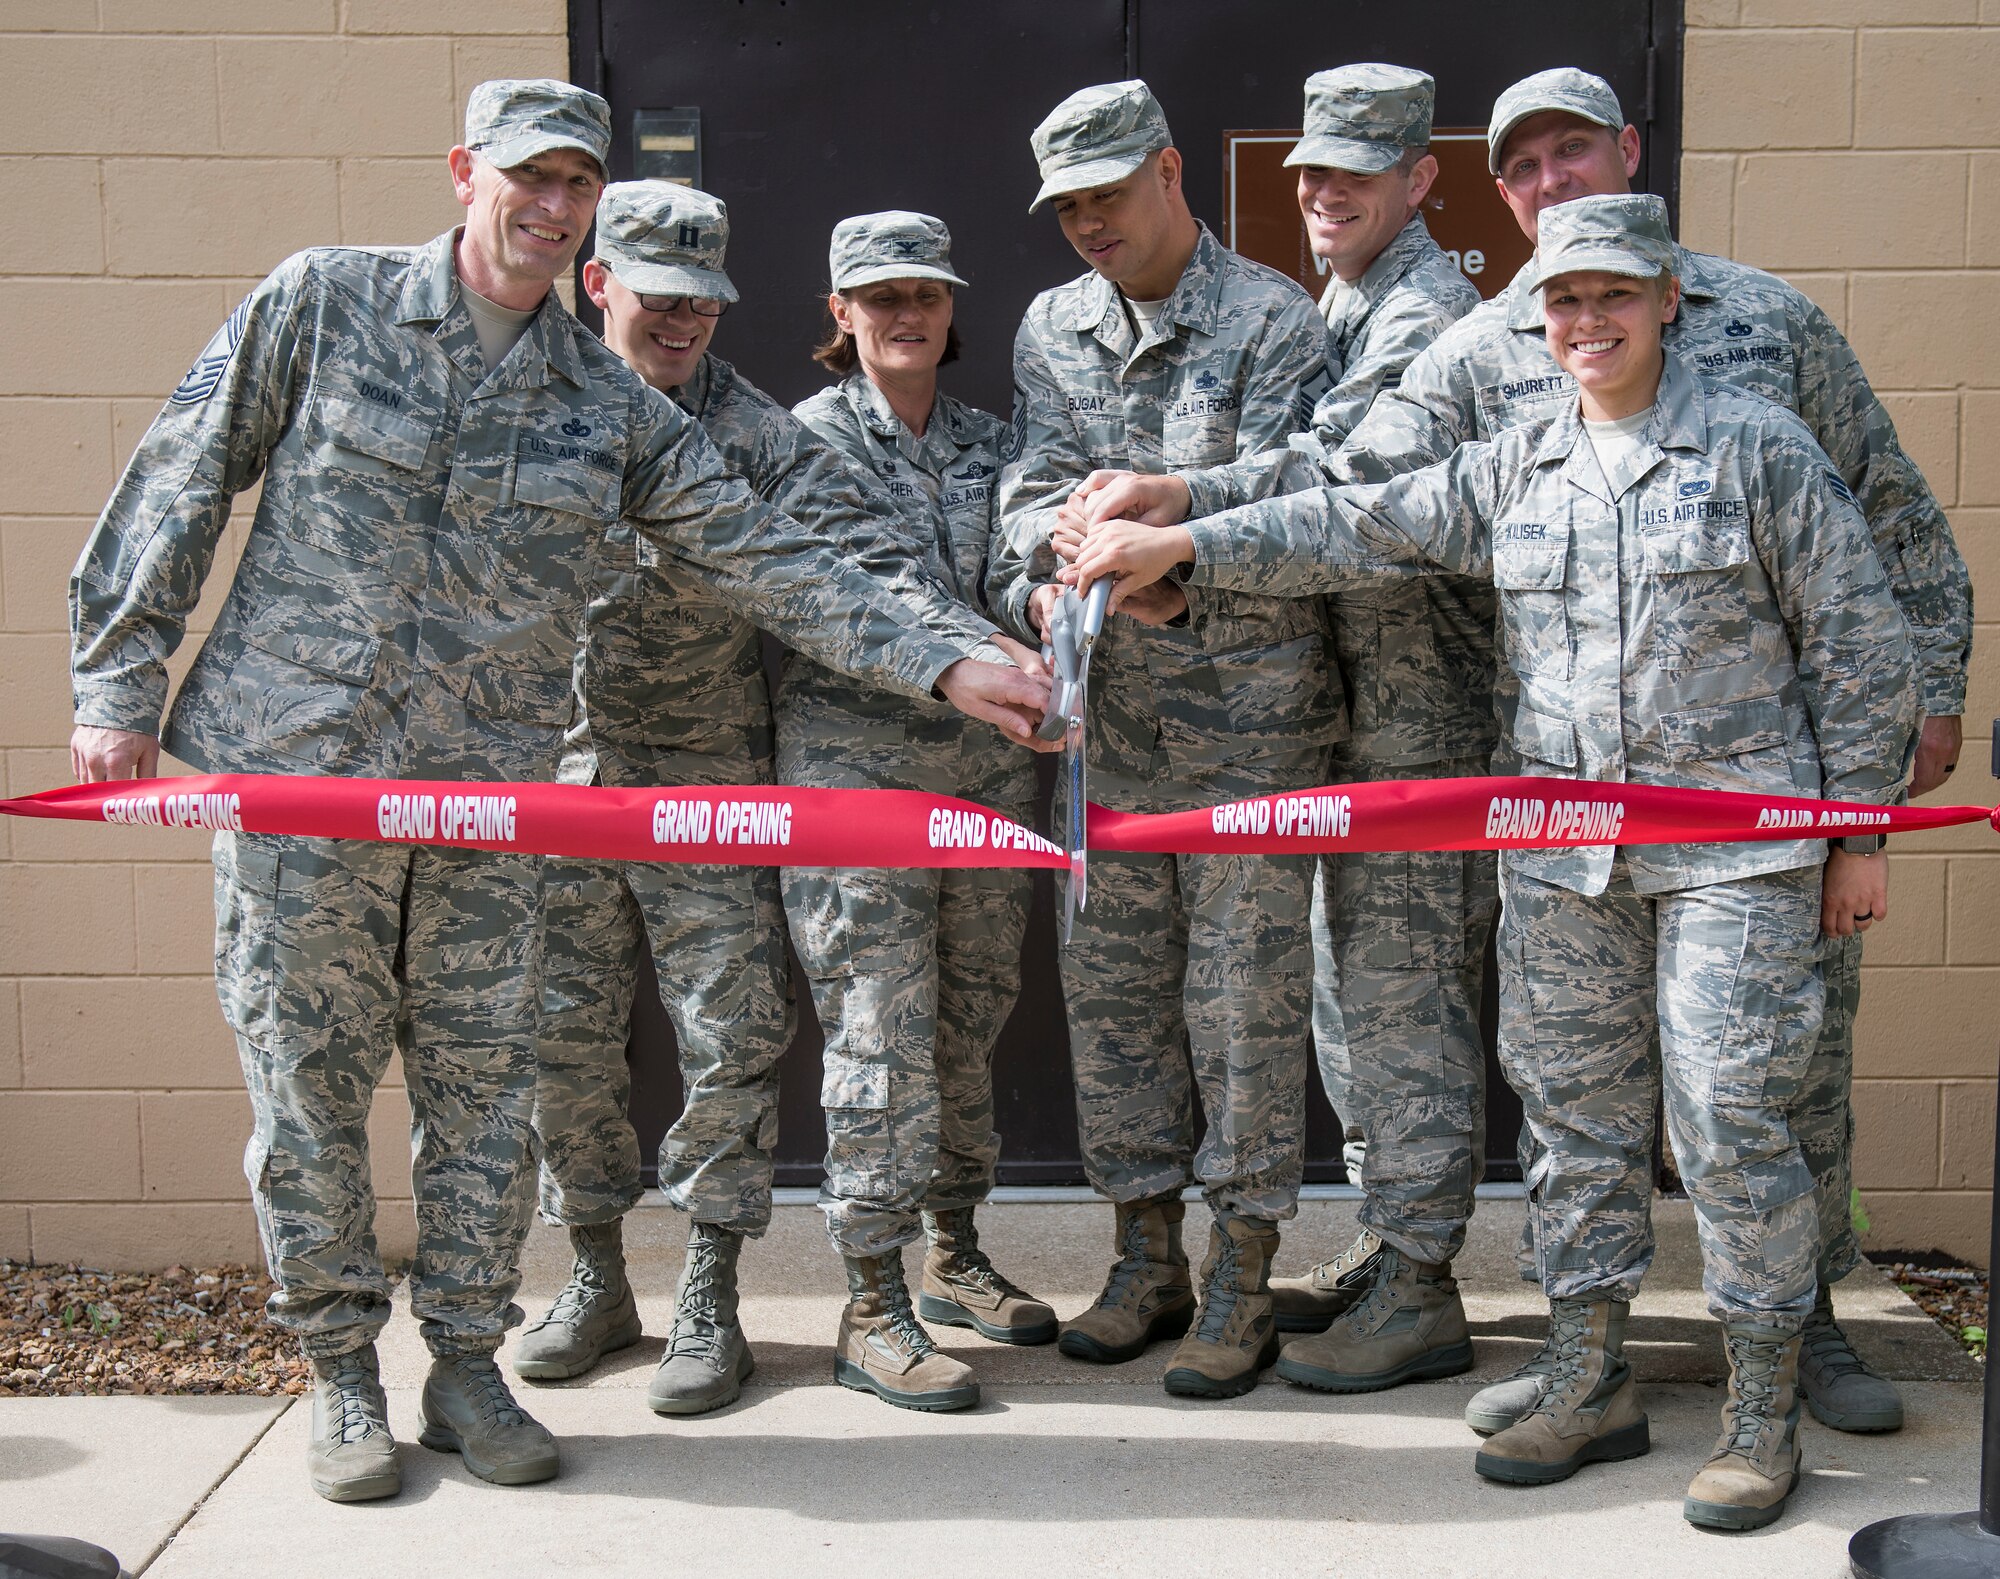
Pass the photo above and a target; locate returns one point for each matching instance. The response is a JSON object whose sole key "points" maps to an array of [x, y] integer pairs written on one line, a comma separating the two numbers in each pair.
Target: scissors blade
{"points": [[1075, 894]]}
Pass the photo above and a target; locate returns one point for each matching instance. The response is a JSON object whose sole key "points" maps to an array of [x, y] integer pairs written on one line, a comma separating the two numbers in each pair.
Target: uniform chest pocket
{"points": [[1202, 417], [569, 484], [1531, 574], [365, 436], [367, 463], [1700, 596], [520, 695], [1727, 729]]}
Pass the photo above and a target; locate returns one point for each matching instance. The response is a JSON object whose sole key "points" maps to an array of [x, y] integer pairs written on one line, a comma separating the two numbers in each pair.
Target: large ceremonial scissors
{"points": [[1073, 627]]}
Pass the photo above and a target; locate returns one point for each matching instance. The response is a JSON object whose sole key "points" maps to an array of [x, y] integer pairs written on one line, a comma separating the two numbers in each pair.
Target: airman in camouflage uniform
{"points": [[913, 972], [1745, 328], [1175, 353], [1492, 371], [1400, 938], [407, 605], [674, 693], [1701, 608]]}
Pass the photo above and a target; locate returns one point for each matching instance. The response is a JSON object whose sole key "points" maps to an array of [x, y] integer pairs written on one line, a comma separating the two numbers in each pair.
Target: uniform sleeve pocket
{"points": [[1544, 739], [851, 1084], [1729, 729], [1922, 578]]}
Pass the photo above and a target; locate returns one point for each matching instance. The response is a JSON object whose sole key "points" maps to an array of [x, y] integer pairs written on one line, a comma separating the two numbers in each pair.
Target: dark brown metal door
{"points": [[811, 110]]}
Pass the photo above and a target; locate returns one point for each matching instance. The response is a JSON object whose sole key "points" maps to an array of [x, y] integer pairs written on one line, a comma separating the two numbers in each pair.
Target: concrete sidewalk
{"points": [[1064, 1469]]}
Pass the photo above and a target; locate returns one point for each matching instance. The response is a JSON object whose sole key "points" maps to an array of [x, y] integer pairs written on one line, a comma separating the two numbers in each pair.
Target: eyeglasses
{"points": [[700, 306]]}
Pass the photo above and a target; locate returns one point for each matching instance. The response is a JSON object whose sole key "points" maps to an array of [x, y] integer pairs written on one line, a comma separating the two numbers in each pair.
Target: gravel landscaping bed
{"points": [[66, 1331], [1952, 1296]]}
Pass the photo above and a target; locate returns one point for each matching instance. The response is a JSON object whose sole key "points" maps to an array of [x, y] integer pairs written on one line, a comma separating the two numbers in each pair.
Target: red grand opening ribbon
{"points": [[766, 826]]}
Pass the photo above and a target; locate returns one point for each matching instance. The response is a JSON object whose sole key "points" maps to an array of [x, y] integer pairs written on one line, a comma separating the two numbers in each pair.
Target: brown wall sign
{"points": [[1261, 208]]}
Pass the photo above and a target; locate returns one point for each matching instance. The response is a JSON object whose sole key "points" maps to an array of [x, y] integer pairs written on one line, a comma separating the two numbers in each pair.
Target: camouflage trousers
{"points": [[1824, 1116], [1399, 950], [1822, 1119], [1186, 976], [718, 942], [913, 972], [1713, 994], [327, 955]]}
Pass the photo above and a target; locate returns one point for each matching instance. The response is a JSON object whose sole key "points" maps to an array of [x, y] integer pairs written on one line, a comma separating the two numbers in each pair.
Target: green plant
{"points": [[1857, 1214]]}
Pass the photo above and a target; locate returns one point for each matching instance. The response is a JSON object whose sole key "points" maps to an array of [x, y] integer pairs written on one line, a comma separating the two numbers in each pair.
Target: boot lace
{"points": [[1826, 1351], [1328, 1273], [1562, 1356], [486, 1389], [1755, 1363], [1220, 1294], [897, 1314], [575, 1298], [587, 1284], [697, 1316], [1126, 1270], [1381, 1292], [352, 1413]]}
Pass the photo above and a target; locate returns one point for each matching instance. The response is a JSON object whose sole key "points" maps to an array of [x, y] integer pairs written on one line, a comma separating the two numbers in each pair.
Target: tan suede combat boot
{"points": [[1499, 1404], [1409, 1325], [962, 1289], [1235, 1335], [883, 1349], [351, 1456], [1148, 1292], [1311, 1302], [1755, 1465], [1589, 1412]]}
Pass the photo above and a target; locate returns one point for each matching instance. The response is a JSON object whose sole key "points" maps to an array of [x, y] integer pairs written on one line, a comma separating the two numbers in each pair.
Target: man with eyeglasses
{"points": [[673, 691], [1555, 137]]}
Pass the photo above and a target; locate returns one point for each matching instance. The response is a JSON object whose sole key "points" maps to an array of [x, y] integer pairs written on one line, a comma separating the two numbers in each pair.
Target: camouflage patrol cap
{"points": [[893, 245], [1625, 234], [511, 119], [1565, 88], [1362, 118], [1097, 136], [664, 239]]}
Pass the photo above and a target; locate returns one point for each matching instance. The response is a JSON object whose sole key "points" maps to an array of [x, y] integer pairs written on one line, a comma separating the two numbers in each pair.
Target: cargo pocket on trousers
{"points": [[246, 908], [860, 1128], [1762, 1059]]}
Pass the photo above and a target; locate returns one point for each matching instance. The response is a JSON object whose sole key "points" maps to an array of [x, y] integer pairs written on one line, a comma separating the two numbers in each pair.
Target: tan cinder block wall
{"points": [[170, 153], [1854, 147]]}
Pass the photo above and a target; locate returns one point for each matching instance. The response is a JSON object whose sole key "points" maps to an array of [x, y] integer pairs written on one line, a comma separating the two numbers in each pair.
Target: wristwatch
{"points": [[1861, 843]]}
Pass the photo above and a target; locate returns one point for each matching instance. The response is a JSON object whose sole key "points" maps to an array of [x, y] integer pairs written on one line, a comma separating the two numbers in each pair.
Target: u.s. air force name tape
{"points": [[757, 825]]}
